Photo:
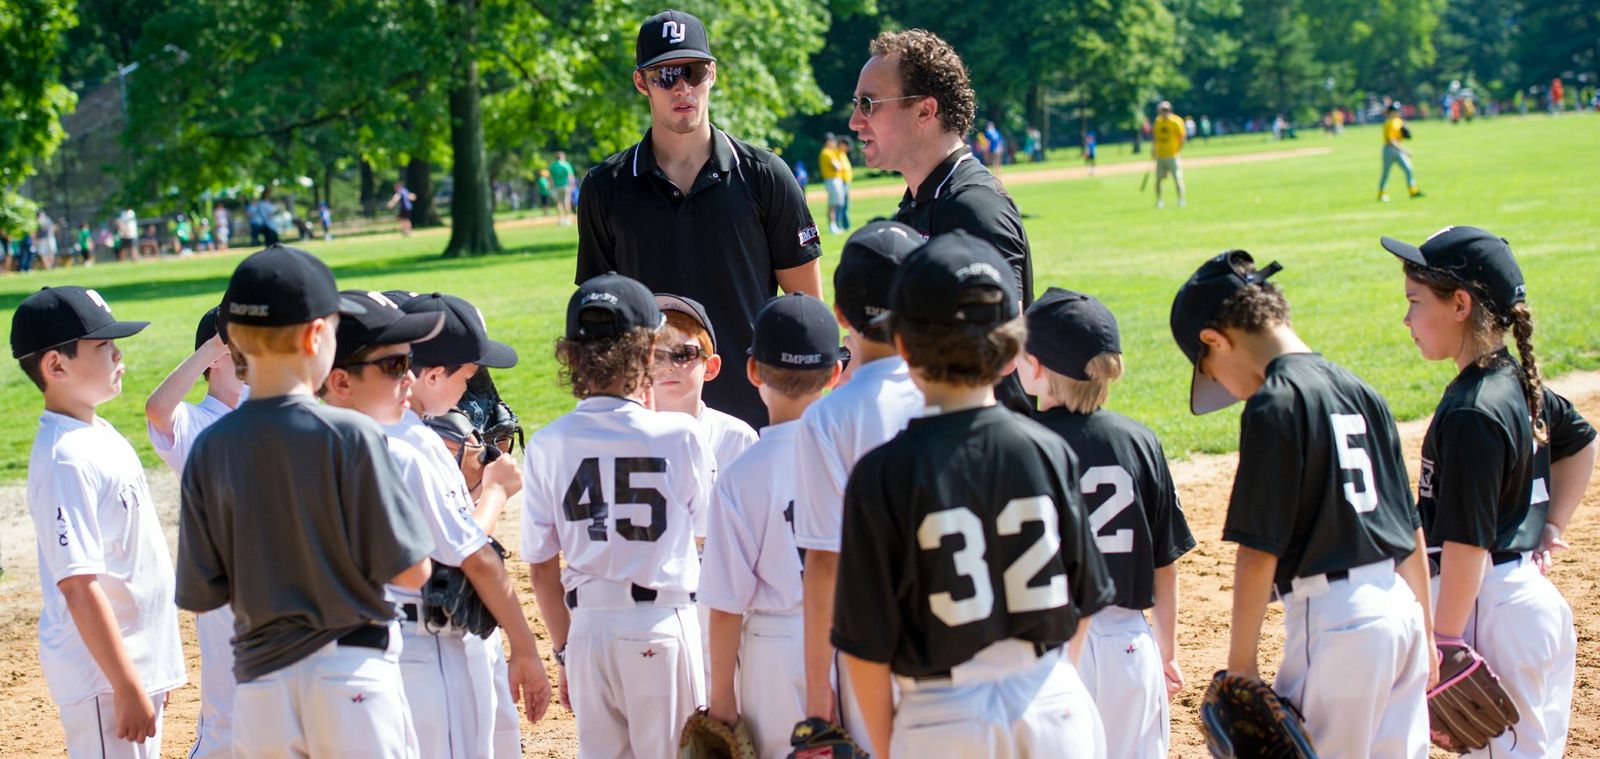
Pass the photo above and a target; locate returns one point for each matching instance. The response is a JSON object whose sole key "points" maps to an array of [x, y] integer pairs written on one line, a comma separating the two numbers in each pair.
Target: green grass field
{"points": [[1526, 179]]}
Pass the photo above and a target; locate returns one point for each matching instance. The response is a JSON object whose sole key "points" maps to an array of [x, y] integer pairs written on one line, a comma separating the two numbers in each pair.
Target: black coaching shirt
{"points": [[964, 530], [721, 242], [1133, 506], [1484, 481], [1321, 483]]}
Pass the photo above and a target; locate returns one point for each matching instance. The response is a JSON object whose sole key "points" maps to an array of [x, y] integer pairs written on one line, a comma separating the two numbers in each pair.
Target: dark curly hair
{"points": [[964, 355], [595, 366], [930, 67]]}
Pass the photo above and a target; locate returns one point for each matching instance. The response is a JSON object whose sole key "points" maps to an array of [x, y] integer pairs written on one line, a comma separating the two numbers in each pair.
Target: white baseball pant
{"points": [[448, 683], [635, 670], [1522, 626], [342, 700], [507, 723], [1355, 663], [214, 733], [1121, 666], [91, 730], [772, 679], [1005, 703]]}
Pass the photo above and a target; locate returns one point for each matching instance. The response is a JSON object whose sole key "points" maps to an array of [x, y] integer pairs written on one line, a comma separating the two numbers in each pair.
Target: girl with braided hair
{"points": [[1504, 465]]}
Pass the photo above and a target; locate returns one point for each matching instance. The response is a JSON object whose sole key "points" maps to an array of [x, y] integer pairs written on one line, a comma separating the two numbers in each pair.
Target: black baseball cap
{"points": [[207, 327], [1471, 255], [59, 315], [669, 302], [400, 296], [795, 331], [670, 36], [1196, 306], [463, 337], [622, 302], [381, 322], [866, 269], [1067, 329], [280, 286], [929, 284]]}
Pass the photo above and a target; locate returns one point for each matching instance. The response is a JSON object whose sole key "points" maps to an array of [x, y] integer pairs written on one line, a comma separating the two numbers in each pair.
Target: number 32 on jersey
{"points": [[970, 560]]}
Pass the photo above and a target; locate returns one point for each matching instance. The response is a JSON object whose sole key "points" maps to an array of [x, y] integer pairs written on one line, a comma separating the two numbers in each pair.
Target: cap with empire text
{"points": [[866, 268], [671, 36], [610, 305], [281, 286], [1067, 330], [1196, 305], [795, 331], [934, 283], [59, 315]]}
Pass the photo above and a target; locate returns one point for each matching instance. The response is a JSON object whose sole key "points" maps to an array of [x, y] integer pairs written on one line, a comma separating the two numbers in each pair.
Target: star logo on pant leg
{"points": [[648, 653], [1130, 648], [359, 698]]}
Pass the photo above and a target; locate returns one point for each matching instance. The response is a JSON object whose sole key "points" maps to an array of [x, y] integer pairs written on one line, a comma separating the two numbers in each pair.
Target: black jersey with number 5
{"points": [[1128, 493], [964, 530], [1484, 481], [1321, 482]]}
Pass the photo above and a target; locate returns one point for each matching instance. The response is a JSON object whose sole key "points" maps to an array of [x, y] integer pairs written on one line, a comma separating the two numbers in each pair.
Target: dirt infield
{"points": [[29, 726]]}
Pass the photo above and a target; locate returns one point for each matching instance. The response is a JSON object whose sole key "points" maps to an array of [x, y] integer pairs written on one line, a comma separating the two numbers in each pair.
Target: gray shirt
{"points": [[294, 513]]}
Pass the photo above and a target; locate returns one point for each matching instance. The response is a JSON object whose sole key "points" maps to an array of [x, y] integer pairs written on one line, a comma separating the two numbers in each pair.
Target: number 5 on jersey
{"points": [[586, 498], [970, 560]]}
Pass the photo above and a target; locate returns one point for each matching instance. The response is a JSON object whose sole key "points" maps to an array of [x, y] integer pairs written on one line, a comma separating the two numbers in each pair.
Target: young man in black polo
{"points": [[693, 211], [914, 108]]}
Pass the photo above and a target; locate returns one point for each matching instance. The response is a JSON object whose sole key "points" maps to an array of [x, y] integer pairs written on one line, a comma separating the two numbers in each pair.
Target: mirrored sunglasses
{"points": [[666, 77], [680, 357]]}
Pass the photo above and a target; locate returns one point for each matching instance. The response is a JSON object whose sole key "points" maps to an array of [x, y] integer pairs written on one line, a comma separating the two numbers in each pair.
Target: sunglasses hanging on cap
{"points": [[667, 77]]}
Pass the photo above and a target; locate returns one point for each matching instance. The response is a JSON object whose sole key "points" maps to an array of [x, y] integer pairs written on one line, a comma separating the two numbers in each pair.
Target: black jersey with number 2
{"points": [[1128, 492], [1484, 481], [964, 530], [1321, 482]]}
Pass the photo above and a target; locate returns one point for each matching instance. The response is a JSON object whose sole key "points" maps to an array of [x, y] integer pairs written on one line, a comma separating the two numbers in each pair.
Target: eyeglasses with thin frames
{"points": [[868, 105]]}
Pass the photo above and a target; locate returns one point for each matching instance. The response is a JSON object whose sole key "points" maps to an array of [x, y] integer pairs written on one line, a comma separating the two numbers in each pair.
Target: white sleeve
{"points": [[455, 534], [66, 522], [540, 541], [728, 576], [173, 449], [820, 477]]}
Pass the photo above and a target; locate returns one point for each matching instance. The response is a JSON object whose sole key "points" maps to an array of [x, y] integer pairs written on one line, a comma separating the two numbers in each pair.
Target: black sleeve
{"points": [[202, 580], [986, 214], [1267, 484], [1473, 457], [866, 616], [1170, 537], [385, 521], [1569, 431], [1088, 577], [792, 238], [596, 249]]}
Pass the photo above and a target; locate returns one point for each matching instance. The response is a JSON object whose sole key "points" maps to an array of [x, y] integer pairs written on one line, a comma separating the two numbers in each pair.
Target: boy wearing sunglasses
{"points": [[685, 360], [172, 425]]}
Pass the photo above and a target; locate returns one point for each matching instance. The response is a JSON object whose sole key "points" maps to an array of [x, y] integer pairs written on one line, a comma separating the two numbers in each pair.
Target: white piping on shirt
{"points": [[735, 154], [946, 180]]}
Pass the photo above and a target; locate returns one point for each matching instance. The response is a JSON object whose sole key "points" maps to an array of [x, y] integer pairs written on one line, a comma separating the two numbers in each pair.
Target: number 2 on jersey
{"points": [[586, 498], [969, 561], [1114, 475]]}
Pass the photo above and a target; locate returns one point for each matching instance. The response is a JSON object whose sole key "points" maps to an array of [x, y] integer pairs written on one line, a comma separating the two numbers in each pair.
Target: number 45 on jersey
{"points": [[586, 499]]}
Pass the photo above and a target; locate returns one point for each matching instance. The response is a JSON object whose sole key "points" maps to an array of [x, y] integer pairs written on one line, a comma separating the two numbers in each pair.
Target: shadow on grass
{"points": [[165, 289]]}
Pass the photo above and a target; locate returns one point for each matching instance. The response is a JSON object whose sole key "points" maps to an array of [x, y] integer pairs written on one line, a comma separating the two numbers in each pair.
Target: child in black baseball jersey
{"points": [[967, 561], [1322, 513], [293, 513], [1497, 490], [1072, 356], [108, 630]]}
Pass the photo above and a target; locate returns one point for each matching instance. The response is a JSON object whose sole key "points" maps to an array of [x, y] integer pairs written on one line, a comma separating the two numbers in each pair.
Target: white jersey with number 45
{"points": [[617, 489]]}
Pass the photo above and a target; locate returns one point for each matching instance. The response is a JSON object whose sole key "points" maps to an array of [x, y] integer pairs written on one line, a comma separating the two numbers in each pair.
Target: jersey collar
{"points": [[939, 179], [723, 158]]}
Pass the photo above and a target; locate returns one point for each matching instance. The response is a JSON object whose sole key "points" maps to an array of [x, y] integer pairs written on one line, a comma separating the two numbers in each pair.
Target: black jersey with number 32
{"points": [[1484, 482], [964, 530], [1128, 492], [1321, 482]]}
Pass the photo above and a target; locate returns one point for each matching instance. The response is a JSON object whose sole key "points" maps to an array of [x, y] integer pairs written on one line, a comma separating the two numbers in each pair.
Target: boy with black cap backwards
{"points": [[293, 512], [968, 563], [618, 490], [836, 431], [1072, 356], [752, 569], [172, 425], [1322, 512], [108, 634], [449, 681]]}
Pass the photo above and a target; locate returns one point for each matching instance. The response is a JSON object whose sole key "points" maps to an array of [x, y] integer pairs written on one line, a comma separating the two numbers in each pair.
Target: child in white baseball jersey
{"points": [[858, 416], [293, 512], [172, 425], [1073, 354], [968, 563], [1322, 514], [685, 360], [616, 490], [752, 570], [108, 633], [1504, 464]]}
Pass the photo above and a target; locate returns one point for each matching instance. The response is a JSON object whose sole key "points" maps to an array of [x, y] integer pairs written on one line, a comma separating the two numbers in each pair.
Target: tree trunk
{"points": [[369, 191], [419, 180], [471, 201]]}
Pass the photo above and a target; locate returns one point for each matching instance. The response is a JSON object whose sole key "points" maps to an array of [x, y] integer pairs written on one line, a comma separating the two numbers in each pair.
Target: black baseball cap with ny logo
{"points": [[671, 36], [59, 315]]}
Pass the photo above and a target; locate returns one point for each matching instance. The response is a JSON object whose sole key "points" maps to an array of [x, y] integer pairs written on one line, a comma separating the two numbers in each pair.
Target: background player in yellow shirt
{"points": [[1394, 130], [1168, 135], [829, 162]]}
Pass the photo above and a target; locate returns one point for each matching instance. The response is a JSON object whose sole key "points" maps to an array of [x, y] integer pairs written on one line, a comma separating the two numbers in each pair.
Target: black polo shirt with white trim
{"points": [[721, 243]]}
